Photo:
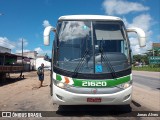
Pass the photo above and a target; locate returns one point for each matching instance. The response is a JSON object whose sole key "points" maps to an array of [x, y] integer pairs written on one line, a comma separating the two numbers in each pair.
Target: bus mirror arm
{"points": [[141, 35], [46, 34]]}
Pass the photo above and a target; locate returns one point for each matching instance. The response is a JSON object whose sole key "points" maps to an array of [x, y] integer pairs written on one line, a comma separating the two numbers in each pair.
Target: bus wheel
{"points": [[127, 108]]}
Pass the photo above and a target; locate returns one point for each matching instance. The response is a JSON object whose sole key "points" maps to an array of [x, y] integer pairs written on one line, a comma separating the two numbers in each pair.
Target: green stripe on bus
{"points": [[58, 77], [110, 82]]}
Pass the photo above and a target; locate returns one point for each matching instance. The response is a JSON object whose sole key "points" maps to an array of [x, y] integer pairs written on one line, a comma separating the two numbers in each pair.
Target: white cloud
{"points": [[143, 21], [46, 23], [19, 43], [133, 41], [15, 46], [40, 51], [120, 7], [137, 50], [5, 42]]}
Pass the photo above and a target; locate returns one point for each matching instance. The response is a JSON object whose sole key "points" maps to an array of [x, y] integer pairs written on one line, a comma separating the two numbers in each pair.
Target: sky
{"points": [[26, 19]]}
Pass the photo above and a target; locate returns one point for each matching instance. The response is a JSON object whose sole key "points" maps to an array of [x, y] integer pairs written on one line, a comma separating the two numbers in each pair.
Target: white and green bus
{"points": [[91, 60]]}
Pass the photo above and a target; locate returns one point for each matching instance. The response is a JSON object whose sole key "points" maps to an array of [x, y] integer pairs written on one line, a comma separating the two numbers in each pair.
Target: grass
{"points": [[153, 68]]}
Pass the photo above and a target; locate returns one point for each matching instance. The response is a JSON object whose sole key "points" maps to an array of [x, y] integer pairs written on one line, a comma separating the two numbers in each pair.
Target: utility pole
{"points": [[22, 51], [22, 61], [153, 51]]}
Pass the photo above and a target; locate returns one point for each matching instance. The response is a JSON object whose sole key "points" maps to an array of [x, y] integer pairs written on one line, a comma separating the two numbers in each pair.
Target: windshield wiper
{"points": [[114, 75], [83, 58], [80, 62], [105, 58]]}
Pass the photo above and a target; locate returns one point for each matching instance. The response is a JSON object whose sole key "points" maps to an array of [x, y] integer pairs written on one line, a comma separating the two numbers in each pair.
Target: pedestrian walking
{"points": [[40, 73]]}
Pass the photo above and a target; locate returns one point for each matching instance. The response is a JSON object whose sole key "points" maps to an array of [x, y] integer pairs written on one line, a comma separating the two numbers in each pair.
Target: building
{"points": [[4, 50], [40, 60], [156, 46], [29, 54], [31, 57], [8, 64]]}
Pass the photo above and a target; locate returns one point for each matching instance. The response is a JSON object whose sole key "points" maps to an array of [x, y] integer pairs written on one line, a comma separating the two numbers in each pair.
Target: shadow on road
{"points": [[136, 103], [10, 81], [94, 110], [35, 88]]}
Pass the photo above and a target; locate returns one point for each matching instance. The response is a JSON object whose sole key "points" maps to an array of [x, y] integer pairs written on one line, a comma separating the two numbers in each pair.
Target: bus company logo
{"points": [[6, 114], [94, 90]]}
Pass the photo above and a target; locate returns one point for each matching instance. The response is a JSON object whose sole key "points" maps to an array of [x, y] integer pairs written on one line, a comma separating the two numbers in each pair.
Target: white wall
{"points": [[39, 61]]}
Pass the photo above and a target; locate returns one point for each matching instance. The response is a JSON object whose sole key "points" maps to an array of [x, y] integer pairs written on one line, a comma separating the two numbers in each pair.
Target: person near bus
{"points": [[40, 73]]}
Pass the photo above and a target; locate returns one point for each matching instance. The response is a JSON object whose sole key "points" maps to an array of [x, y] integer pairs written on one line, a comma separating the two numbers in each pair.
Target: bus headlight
{"points": [[62, 85], [125, 85]]}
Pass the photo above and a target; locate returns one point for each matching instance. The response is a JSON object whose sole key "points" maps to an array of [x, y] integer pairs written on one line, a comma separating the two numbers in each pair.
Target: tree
{"points": [[140, 58], [46, 57], [145, 58]]}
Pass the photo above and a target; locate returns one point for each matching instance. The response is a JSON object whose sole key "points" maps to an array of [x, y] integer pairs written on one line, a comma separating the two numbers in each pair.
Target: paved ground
{"points": [[23, 95], [148, 79]]}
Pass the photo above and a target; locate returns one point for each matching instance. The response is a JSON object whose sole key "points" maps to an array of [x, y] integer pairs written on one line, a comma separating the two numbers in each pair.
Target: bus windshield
{"points": [[91, 46]]}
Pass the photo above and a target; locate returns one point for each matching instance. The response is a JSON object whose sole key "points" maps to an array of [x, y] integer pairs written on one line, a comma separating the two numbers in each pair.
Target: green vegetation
{"points": [[155, 68], [141, 62], [145, 57]]}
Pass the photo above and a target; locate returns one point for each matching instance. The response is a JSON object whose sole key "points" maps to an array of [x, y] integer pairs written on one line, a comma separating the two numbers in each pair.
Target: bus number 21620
{"points": [[92, 83]]}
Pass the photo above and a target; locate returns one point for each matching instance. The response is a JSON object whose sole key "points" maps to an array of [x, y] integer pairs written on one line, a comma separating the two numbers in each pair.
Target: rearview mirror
{"points": [[141, 35], [46, 34]]}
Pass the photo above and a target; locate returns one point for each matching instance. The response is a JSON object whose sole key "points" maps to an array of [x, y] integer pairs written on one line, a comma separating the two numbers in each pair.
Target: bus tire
{"points": [[127, 107]]}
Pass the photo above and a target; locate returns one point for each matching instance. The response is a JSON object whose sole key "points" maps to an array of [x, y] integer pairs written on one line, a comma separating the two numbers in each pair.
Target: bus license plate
{"points": [[93, 99]]}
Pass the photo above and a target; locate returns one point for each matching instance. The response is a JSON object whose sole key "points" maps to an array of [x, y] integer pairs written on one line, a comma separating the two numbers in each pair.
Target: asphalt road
{"points": [[148, 79]]}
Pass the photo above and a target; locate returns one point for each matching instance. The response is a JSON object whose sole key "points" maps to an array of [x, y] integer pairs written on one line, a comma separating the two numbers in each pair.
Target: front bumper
{"points": [[63, 97]]}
